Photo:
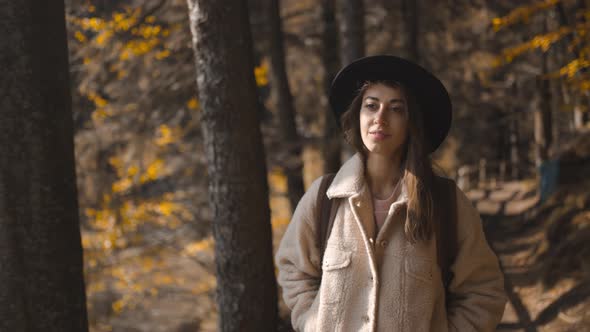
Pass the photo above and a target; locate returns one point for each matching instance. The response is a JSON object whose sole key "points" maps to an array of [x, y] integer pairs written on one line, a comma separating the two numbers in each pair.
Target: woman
{"points": [[379, 270]]}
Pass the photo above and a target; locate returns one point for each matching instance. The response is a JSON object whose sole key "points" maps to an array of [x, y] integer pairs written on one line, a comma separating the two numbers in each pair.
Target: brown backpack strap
{"points": [[327, 213], [445, 226]]}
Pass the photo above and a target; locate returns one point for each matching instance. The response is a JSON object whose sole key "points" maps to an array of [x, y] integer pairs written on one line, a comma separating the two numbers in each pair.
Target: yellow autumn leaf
{"points": [[163, 279], [193, 103], [121, 185], [203, 245], [90, 212], [206, 284], [261, 74], [86, 242], [164, 136], [162, 54], [147, 263], [100, 102], [124, 55], [131, 171], [277, 180], [121, 74], [166, 208], [104, 37], [80, 36], [153, 171], [118, 306]]}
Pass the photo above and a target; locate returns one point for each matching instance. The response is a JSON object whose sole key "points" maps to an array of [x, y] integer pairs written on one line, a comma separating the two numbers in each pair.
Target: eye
{"points": [[397, 108], [371, 106]]}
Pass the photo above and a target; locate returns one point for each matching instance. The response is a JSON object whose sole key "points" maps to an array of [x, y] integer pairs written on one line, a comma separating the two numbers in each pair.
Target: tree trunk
{"points": [[238, 191], [41, 267], [542, 114], [564, 20], [514, 135], [410, 22], [351, 21], [332, 147], [280, 83]]}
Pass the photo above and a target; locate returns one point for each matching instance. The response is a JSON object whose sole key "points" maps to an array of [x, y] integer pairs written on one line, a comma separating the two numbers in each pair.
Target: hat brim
{"points": [[431, 95]]}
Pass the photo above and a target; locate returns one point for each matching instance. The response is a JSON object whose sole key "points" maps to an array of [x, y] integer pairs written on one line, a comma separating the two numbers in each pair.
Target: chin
{"points": [[377, 150], [380, 152]]}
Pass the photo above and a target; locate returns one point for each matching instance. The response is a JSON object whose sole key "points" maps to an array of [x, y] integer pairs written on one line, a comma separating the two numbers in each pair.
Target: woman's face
{"points": [[384, 119]]}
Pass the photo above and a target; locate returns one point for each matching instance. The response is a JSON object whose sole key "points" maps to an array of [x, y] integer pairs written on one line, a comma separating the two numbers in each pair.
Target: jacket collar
{"points": [[350, 180]]}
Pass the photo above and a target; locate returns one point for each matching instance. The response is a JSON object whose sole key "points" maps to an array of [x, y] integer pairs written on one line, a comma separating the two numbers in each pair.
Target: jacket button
{"points": [[371, 278], [366, 319], [384, 243], [358, 204]]}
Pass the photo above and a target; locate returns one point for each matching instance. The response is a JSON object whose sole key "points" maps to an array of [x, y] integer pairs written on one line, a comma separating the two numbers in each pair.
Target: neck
{"points": [[382, 173]]}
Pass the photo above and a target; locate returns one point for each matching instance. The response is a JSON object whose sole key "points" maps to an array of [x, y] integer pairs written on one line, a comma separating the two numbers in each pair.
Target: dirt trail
{"points": [[546, 280]]}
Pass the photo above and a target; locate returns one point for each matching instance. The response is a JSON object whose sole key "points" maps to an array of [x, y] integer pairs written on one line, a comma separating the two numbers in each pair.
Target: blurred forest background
{"points": [[519, 146]]}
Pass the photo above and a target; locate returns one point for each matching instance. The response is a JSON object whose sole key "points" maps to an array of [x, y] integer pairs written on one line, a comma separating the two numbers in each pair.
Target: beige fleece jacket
{"points": [[387, 284]]}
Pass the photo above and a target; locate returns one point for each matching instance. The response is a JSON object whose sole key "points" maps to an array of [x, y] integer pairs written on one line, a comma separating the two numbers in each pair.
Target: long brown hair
{"points": [[418, 172]]}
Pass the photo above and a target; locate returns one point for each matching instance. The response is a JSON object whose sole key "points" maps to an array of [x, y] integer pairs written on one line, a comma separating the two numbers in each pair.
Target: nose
{"points": [[380, 116]]}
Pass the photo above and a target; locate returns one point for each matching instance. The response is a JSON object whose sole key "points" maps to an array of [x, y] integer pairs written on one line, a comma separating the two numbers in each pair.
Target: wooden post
{"points": [[482, 172]]}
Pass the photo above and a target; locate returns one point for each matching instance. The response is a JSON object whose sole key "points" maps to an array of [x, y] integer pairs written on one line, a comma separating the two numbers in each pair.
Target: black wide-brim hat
{"points": [[429, 92]]}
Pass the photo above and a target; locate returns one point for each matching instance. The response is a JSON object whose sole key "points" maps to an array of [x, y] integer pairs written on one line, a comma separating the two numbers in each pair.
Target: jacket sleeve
{"points": [[297, 260], [476, 293]]}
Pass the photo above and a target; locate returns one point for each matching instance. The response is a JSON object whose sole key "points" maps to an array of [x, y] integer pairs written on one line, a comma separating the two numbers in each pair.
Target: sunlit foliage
{"points": [[522, 14], [573, 72]]}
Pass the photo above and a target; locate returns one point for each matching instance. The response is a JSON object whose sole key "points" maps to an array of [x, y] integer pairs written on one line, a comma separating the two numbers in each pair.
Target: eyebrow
{"points": [[391, 101]]}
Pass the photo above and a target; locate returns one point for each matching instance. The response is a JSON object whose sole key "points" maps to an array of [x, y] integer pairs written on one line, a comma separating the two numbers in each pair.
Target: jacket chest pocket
{"points": [[420, 269], [335, 275]]}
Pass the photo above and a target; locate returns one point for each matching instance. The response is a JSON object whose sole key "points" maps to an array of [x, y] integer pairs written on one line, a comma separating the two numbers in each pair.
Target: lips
{"points": [[378, 135]]}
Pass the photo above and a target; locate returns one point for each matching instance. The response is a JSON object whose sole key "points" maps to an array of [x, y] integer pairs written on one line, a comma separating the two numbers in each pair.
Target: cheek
{"points": [[401, 123], [403, 127], [364, 123]]}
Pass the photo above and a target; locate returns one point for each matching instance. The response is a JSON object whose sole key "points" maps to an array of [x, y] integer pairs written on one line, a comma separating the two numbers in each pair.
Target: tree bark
{"points": [[351, 22], [564, 20], [542, 115], [410, 22], [280, 83], [238, 190], [332, 145], [41, 266]]}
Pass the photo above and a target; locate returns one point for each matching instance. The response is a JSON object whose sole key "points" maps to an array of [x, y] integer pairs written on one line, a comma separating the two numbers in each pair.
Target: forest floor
{"points": [[544, 248], [545, 264]]}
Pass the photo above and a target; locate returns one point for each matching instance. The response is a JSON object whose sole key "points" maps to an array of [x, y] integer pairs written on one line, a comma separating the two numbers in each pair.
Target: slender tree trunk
{"points": [[351, 21], [514, 160], [513, 136], [564, 20], [238, 191], [332, 139], [542, 123], [542, 114], [286, 110], [410, 22], [41, 269]]}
